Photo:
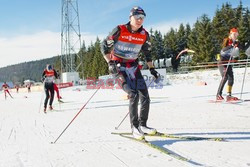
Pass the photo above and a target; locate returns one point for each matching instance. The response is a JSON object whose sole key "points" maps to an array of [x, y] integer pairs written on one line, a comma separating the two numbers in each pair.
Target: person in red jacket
{"points": [[57, 93], [17, 88], [48, 77], [5, 88], [121, 49], [56, 89]]}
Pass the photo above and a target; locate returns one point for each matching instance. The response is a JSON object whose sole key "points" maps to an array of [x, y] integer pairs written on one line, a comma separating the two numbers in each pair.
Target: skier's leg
{"points": [[144, 111], [144, 99], [52, 93], [5, 95], [223, 81], [9, 93], [129, 87], [47, 96], [230, 84], [57, 91], [230, 80]]}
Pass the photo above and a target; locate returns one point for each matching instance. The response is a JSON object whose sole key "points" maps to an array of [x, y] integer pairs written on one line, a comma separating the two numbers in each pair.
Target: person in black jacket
{"points": [[48, 77], [121, 49], [230, 45]]}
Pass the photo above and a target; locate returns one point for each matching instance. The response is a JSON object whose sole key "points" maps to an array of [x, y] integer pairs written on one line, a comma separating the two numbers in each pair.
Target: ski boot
{"points": [[232, 98], [148, 130], [60, 101], [44, 110], [137, 133], [219, 98], [50, 107]]}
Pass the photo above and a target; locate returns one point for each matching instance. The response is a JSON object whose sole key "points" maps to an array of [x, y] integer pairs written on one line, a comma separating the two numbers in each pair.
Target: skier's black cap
{"points": [[49, 67], [137, 11]]}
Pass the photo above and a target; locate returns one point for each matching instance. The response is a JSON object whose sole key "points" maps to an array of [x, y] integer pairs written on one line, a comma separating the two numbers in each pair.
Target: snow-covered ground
{"points": [[181, 108]]}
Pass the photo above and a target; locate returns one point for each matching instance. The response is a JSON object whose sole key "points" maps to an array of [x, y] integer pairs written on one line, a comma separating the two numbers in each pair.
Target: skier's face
{"points": [[136, 22], [234, 35]]}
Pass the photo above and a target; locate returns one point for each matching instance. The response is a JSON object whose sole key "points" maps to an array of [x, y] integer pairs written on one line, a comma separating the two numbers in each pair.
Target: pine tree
{"points": [[81, 54], [181, 38], [171, 42], [157, 50], [192, 42], [88, 60], [244, 32], [205, 50]]}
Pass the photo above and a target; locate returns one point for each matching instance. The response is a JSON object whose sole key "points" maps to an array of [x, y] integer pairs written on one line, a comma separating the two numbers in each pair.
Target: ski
{"points": [[161, 149], [246, 100], [159, 134], [187, 137], [227, 102]]}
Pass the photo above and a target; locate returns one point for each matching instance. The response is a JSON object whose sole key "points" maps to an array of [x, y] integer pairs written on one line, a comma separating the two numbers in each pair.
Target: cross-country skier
{"points": [[48, 76], [28, 87], [5, 88], [56, 88], [230, 45], [17, 88], [57, 93], [121, 48]]}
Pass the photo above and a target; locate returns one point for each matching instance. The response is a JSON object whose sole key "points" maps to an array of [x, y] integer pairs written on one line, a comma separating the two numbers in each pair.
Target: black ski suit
{"points": [[132, 80], [226, 71], [48, 77]]}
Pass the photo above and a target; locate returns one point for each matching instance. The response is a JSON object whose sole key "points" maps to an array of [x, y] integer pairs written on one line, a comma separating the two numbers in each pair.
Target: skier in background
{"points": [[57, 89], [29, 86], [5, 88], [17, 88], [57, 93], [175, 60], [122, 47], [48, 77], [230, 44]]}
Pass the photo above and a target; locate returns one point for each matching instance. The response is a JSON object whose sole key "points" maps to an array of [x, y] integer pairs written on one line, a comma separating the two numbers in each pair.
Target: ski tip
{"points": [[220, 139], [215, 101]]}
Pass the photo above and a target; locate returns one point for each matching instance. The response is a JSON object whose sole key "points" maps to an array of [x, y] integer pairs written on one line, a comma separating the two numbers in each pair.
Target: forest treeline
{"points": [[205, 37]]}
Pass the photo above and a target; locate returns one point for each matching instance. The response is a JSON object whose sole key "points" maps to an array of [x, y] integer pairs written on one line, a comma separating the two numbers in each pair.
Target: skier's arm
{"points": [[226, 50], [146, 50], [108, 43], [56, 74], [43, 76]]}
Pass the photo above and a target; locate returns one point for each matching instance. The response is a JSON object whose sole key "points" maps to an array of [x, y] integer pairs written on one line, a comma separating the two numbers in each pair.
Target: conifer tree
{"points": [[244, 32], [204, 48], [170, 41]]}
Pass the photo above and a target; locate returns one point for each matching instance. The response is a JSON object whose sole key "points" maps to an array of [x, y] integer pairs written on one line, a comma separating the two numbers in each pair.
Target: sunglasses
{"points": [[139, 16]]}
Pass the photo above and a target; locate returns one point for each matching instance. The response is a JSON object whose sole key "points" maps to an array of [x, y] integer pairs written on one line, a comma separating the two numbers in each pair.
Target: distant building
{"points": [[28, 82]]}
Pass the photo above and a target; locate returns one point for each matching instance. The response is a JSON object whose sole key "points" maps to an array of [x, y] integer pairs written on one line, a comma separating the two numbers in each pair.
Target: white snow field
{"points": [[181, 108]]}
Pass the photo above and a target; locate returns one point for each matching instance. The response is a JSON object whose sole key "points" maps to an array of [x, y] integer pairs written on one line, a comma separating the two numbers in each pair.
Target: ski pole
{"points": [[76, 115], [234, 53], [248, 55], [116, 128], [41, 99]]}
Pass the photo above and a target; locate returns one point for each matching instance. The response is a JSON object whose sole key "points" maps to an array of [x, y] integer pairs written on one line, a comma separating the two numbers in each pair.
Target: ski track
{"points": [[181, 109]]}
